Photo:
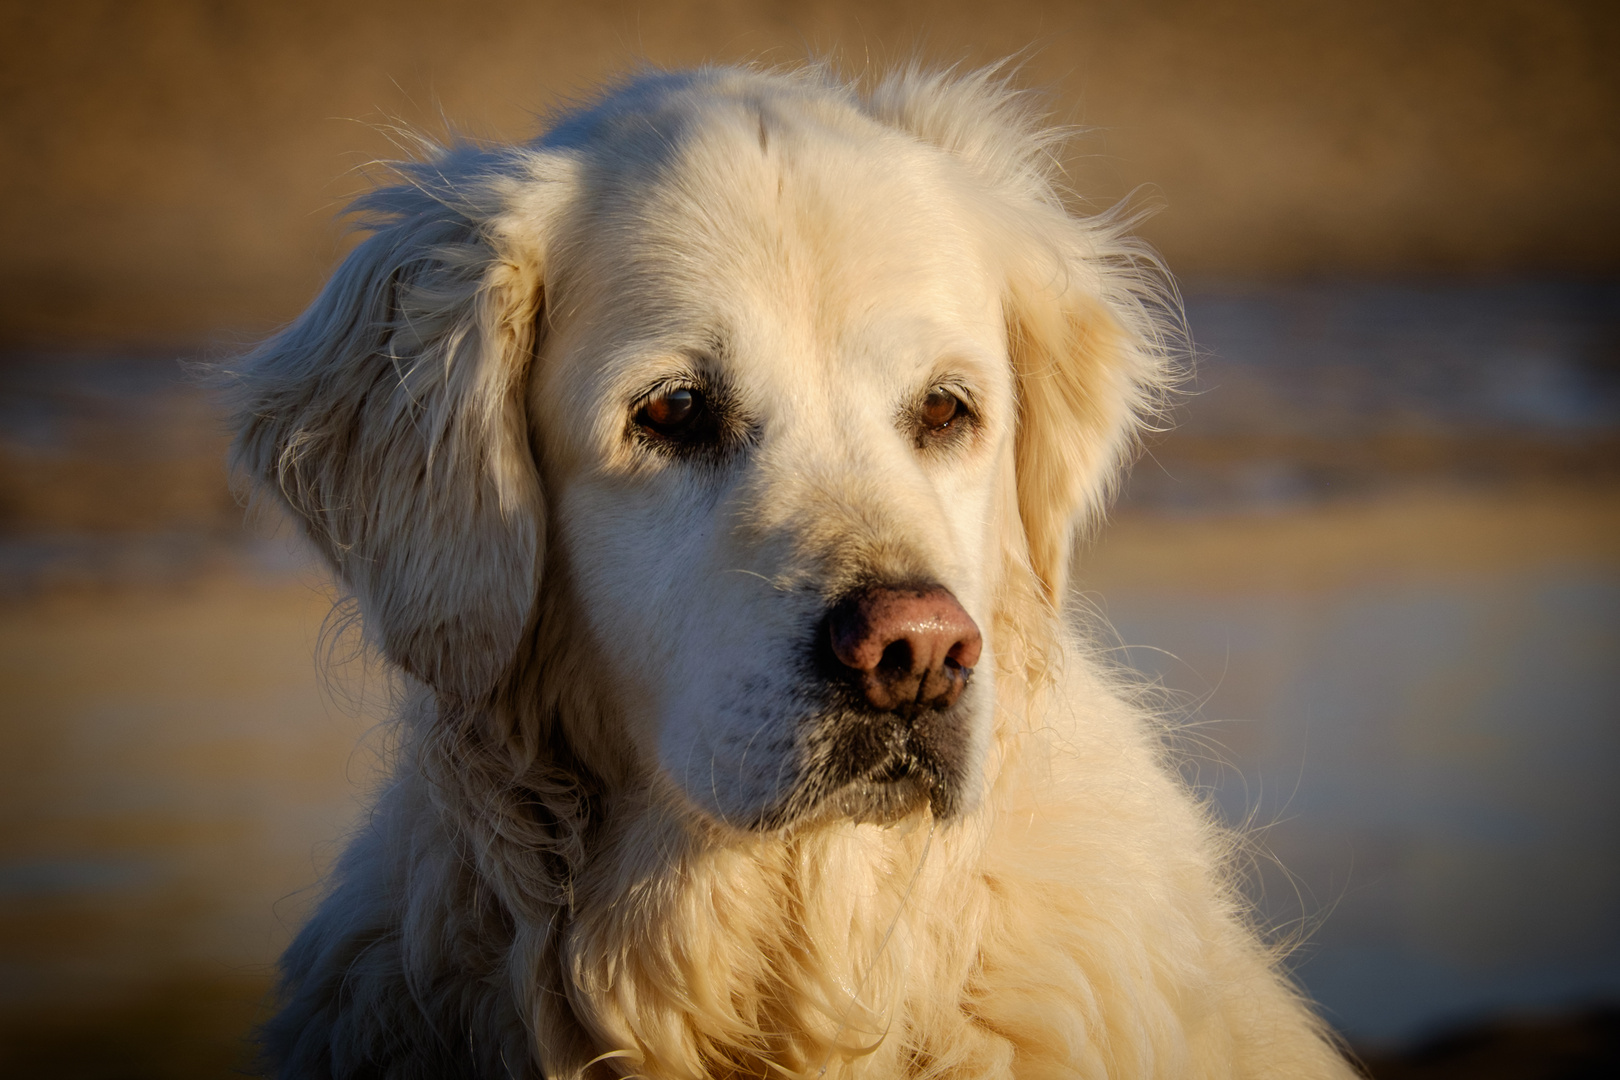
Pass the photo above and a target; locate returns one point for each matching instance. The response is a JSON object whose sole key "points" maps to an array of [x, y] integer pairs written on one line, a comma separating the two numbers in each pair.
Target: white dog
{"points": [[713, 465]]}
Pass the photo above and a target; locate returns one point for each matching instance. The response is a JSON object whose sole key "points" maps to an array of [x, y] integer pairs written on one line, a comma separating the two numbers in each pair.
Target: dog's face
{"points": [[786, 388], [756, 397]]}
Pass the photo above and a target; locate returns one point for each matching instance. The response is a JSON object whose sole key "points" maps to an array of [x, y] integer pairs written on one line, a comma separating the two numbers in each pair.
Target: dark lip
{"points": [[903, 776], [861, 802], [883, 802]]}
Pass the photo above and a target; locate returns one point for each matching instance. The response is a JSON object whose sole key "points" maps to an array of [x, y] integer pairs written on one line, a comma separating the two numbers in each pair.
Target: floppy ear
{"points": [[1086, 335], [1088, 310], [391, 419]]}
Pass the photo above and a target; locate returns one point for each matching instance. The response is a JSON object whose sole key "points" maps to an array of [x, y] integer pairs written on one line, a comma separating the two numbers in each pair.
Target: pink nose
{"points": [[908, 648]]}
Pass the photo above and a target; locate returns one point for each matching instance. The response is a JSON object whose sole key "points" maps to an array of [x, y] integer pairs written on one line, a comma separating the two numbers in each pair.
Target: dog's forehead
{"points": [[788, 222]]}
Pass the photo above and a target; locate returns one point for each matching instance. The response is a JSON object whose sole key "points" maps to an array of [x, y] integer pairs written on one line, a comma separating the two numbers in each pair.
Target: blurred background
{"points": [[1375, 567]]}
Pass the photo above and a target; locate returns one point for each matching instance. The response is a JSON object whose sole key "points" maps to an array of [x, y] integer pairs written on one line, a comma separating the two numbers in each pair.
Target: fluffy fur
{"points": [[610, 846]]}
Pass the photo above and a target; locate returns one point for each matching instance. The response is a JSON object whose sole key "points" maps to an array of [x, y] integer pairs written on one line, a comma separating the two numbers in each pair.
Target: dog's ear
{"points": [[1089, 313], [390, 418], [1087, 338]]}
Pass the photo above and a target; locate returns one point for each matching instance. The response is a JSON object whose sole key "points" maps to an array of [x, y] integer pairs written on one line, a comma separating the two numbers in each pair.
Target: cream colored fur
{"points": [[568, 875]]}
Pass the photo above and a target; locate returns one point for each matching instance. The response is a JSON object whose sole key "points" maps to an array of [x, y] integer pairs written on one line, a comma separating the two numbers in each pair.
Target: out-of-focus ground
{"points": [[1376, 567], [175, 772]]}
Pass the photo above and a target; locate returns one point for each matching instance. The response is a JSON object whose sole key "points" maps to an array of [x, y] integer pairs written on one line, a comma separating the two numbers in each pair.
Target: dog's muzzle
{"points": [[894, 660]]}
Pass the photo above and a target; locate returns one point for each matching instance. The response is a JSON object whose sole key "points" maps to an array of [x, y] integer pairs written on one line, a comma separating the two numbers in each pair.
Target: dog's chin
{"points": [[884, 801], [900, 786]]}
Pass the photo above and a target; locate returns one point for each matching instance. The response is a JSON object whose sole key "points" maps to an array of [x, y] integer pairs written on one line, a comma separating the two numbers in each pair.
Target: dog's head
{"points": [[748, 402]]}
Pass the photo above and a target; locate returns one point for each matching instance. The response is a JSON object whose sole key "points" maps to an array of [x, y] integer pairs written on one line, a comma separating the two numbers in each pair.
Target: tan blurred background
{"points": [[174, 167], [1376, 567]]}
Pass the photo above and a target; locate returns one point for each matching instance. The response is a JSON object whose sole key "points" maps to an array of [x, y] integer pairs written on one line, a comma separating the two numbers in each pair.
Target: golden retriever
{"points": [[712, 466]]}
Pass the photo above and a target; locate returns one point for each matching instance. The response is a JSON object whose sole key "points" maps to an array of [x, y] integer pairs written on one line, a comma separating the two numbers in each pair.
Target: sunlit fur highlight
{"points": [[515, 907]]}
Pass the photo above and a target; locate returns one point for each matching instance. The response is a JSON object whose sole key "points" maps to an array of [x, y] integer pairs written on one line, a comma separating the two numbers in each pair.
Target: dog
{"points": [[711, 467]]}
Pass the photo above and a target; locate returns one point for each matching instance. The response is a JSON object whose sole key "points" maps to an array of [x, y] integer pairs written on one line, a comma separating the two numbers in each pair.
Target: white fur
{"points": [[568, 876]]}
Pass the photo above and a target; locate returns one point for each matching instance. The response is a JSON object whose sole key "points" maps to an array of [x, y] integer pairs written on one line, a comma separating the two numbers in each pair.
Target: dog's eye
{"points": [[673, 413], [939, 409]]}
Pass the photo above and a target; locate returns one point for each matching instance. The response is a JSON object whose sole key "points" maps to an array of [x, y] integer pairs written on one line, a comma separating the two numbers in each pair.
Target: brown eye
{"points": [[672, 412], [939, 409]]}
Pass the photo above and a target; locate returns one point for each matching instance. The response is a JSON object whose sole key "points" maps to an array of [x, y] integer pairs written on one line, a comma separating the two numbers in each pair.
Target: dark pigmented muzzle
{"points": [[907, 648]]}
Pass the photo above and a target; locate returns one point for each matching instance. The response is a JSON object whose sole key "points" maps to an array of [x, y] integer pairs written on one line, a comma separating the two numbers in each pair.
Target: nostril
{"points": [[897, 657], [965, 653]]}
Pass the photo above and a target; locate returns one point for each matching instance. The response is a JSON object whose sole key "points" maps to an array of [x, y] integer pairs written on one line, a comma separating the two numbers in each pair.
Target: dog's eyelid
{"points": [[667, 385], [957, 387], [681, 369], [957, 371], [961, 391]]}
